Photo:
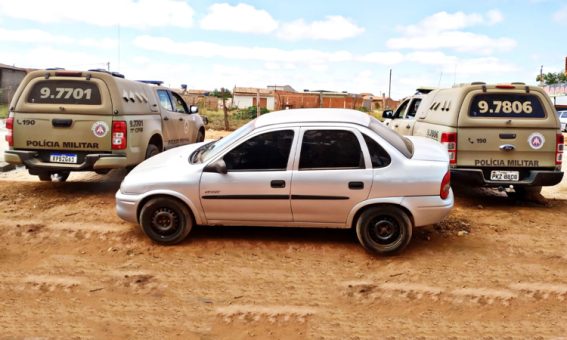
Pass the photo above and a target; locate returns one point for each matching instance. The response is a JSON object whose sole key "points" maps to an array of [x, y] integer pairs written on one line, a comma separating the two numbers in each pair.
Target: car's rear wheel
{"points": [[166, 220], [384, 230]]}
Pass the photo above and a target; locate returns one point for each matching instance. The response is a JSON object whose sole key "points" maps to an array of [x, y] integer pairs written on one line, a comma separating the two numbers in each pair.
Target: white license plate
{"points": [[505, 175], [63, 158]]}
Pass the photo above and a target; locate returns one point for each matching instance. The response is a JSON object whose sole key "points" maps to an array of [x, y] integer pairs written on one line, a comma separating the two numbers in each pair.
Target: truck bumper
{"points": [[476, 177], [91, 162]]}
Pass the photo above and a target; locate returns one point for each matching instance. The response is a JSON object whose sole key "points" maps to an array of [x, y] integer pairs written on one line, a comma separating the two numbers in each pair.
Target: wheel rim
{"points": [[385, 230], [165, 221]]}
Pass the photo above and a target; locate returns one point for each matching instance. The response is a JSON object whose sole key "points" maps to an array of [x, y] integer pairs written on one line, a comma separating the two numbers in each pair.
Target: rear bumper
{"points": [[428, 210], [534, 178], [92, 161]]}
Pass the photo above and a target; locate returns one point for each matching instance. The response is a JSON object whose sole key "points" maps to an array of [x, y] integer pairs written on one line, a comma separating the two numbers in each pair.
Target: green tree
{"points": [[551, 78], [222, 93]]}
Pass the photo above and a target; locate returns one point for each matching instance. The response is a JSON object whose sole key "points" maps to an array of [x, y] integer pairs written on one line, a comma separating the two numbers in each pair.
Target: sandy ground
{"points": [[70, 268]]}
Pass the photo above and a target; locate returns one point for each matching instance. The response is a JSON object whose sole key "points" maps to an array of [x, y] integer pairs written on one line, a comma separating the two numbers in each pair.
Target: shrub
{"points": [[249, 113]]}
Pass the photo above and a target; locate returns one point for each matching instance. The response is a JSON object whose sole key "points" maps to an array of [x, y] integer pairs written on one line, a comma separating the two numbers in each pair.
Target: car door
{"points": [[187, 128], [256, 187], [171, 120], [331, 175]]}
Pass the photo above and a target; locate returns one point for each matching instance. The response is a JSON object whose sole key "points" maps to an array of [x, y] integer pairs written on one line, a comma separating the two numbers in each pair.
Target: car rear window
{"points": [[398, 141], [506, 105], [64, 92]]}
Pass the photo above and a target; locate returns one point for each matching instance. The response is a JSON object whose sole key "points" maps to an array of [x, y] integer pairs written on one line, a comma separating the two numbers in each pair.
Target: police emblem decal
{"points": [[99, 129], [536, 140]]}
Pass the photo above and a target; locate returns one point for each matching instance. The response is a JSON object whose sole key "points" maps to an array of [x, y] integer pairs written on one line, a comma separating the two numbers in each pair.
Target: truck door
{"points": [[188, 129], [172, 121], [404, 125]]}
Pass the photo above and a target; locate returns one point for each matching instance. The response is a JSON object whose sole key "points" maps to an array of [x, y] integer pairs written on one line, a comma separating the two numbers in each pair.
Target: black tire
{"points": [[526, 193], [384, 230], [44, 176], [200, 136], [166, 220], [151, 151]]}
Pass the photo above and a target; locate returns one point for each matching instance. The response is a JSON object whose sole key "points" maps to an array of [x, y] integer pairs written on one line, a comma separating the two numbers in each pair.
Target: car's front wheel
{"points": [[384, 230], [166, 220]]}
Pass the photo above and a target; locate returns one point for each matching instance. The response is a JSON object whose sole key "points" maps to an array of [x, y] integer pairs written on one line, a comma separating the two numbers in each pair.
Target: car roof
{"points": [[321, 115]]}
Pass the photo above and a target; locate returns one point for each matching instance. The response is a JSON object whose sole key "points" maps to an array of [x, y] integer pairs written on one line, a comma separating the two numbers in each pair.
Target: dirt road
{"points": [[71, 268]]}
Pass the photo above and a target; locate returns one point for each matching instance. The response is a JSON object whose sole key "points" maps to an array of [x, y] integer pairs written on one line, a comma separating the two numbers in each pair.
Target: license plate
{"points": [[63, 158], [505, 175]]}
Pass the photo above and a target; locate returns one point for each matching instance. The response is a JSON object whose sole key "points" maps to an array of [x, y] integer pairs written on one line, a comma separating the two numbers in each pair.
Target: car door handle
{"points": [[277, 183], [356, 185], [166, 118], [180, 119], [408, 126], [395, 125]]}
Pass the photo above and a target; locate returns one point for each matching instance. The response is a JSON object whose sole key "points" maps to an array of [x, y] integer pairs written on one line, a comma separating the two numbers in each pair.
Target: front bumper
{"points": [[91, 161], [477, 177], [127, 206]]}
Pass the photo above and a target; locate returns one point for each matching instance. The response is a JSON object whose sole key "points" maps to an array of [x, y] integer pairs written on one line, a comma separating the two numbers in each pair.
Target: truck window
{"points": [[180, 105], [164, 100], [64, 92], [401, 109], [413, 108]]}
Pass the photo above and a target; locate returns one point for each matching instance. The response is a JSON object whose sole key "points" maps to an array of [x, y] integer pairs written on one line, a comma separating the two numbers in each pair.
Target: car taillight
{"points": [[119, 135], [449, 139], [445, 185], [10, 128], [559, 146]]}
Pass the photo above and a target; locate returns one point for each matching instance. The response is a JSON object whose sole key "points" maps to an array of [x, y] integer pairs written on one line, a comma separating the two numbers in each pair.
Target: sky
{"points": [[317, 45]]}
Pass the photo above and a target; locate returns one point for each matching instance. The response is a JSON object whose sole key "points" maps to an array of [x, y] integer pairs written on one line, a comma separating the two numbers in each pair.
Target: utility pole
{"points": [[226, 127], [390, 85], [541, 76], [257, 103], [108, 66]]}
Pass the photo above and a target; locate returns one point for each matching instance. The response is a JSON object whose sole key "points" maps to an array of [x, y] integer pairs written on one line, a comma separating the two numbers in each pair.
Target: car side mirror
{"points": [[205, 120], [217, 166], [193, 109], [388, 114]]}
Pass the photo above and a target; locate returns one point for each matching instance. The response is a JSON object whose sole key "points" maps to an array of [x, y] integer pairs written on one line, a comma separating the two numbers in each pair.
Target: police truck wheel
{"points": [[200, 136], [384, 230], [527, 193], [151, 151], [44, 176], [166, 220]]}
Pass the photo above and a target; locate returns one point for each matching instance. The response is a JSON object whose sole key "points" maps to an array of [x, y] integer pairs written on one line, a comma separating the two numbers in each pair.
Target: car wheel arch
{"points": [[192, 209], [363, 208]]}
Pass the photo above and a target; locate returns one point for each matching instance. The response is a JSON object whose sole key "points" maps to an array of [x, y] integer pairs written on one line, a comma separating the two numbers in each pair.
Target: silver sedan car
{"points": [[330, 168]]}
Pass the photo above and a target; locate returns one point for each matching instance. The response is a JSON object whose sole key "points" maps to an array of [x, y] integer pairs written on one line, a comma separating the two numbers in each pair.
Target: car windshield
{"points": [[207, 151], [401, 143]]}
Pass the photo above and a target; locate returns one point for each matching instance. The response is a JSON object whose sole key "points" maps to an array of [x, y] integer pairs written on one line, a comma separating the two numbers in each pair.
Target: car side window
{"points": [[330, 149], [179, 103], [265, 152], [378, 155], [164, 100]]}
